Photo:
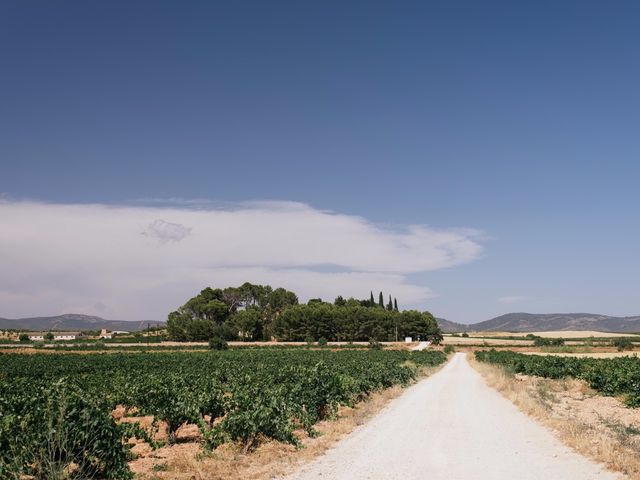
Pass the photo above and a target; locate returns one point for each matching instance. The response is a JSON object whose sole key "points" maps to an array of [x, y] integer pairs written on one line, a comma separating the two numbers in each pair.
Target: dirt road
{"points": [[452, 426]]}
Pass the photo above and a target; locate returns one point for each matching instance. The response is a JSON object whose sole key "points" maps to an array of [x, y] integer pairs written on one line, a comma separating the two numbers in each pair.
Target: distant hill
{"points": [[532, 322], [452, 327], [72, 321]]}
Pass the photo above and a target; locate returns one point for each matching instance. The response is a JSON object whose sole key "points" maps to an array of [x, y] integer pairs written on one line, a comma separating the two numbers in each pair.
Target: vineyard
{"points": [[611, 377], [56, 410]]}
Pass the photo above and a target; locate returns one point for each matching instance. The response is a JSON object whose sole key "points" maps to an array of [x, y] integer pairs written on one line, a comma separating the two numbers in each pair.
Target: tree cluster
{"points": [[351, 323], [258, 312], [244, 312]]}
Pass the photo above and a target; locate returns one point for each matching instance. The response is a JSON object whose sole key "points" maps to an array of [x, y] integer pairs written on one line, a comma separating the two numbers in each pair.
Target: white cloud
{"points": [[166, 231], [512, 299], [58, 257]]}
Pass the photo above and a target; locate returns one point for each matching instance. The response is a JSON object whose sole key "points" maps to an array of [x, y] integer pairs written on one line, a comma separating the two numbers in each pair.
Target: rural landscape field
{"points": [[338, 240], [250, 383]]}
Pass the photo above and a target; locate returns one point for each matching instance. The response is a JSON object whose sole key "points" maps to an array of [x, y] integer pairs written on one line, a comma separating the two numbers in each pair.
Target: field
{"points": [[57, 411], [612, 377], [593, 354], [480, 341]]}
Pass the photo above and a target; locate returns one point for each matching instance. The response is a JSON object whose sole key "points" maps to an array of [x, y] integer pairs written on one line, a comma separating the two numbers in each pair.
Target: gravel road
{"points": [[452, 426], [421, 346]]}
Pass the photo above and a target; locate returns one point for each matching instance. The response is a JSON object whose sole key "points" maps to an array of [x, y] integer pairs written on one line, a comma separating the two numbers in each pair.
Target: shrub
{"points": [[448, 349], [56, 432], [23, 337], [218, 343], [322, 342], [548, 342], [465, 334], [623, 344], [375, 345]]}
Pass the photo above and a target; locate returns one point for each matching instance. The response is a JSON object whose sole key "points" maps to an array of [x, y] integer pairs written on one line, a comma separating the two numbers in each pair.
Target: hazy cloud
{"points": [[512, 299], [56, 257], [166, 231]]}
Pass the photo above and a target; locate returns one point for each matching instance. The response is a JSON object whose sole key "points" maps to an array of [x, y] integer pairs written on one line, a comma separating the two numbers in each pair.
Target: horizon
{"points": [[467, 160], [436, 316]]}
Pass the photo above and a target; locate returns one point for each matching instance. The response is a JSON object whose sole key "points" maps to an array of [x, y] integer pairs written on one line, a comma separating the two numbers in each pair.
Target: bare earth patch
{"points": [[601, 428]]}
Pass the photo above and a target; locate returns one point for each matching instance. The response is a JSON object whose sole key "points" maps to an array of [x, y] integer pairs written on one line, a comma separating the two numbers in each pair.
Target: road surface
{"points": [[452, 426], [421, 346]]}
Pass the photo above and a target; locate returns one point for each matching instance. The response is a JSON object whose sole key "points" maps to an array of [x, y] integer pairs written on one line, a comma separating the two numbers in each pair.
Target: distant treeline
{"points": [[258, 312]]}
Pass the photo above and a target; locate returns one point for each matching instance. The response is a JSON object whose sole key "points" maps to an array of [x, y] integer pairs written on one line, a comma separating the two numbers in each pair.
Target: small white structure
{"points": [[57, 336], [105, 334], [66, 335], [408, 339]]}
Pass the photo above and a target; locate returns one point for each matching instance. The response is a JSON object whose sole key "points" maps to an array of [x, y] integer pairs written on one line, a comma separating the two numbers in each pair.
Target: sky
{"points": [[469, 158]]}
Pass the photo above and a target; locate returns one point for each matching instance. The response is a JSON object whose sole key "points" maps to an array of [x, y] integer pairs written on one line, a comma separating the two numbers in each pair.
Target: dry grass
{"points": [[601, 428], [270, 460], [450, 340], [592, 354]]}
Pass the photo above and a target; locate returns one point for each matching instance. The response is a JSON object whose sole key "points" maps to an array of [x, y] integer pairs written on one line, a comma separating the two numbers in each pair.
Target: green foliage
{"points": [[218, 343], [247, 324], [547, 342], [375, 345], [448, 349], [55, 409], [623, 344], [244, 312], [353, 323], [48, 336], [23, 337], [47, 429], [257, 312], [465, 334], [614, 376]]}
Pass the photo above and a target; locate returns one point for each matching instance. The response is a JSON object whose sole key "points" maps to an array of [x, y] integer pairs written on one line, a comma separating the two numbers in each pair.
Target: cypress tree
{"points": [[395, 304], [390, 304], [373, 302], [381, 300]]}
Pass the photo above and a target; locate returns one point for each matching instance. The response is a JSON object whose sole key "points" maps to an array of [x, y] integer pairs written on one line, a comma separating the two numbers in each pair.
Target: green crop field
{"points": [[56, 409], [612, 376]]}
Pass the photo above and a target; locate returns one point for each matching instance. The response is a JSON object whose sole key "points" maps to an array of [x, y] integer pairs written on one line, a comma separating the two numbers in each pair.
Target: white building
{"points": [[57, 336]]}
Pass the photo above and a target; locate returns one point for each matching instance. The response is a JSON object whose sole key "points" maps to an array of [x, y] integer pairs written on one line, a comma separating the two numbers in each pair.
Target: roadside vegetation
{"points": [[611, 377], [602, 428]]}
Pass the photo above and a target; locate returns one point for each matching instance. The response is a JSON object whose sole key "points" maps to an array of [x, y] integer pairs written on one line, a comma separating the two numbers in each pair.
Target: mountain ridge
{"points": [[541, 322], [73, 321]]}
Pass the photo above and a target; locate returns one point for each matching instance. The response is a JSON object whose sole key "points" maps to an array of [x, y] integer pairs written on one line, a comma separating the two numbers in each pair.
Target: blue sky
{"points": [[517, 123]]}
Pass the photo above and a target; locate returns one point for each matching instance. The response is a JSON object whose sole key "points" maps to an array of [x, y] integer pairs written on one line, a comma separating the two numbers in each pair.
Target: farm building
{"points": [[39, 336]]}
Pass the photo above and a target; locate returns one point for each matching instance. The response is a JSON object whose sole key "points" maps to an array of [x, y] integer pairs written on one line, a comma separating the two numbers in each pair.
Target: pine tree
{"points": [[395, 304], [381, 300], [390, 304]]}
